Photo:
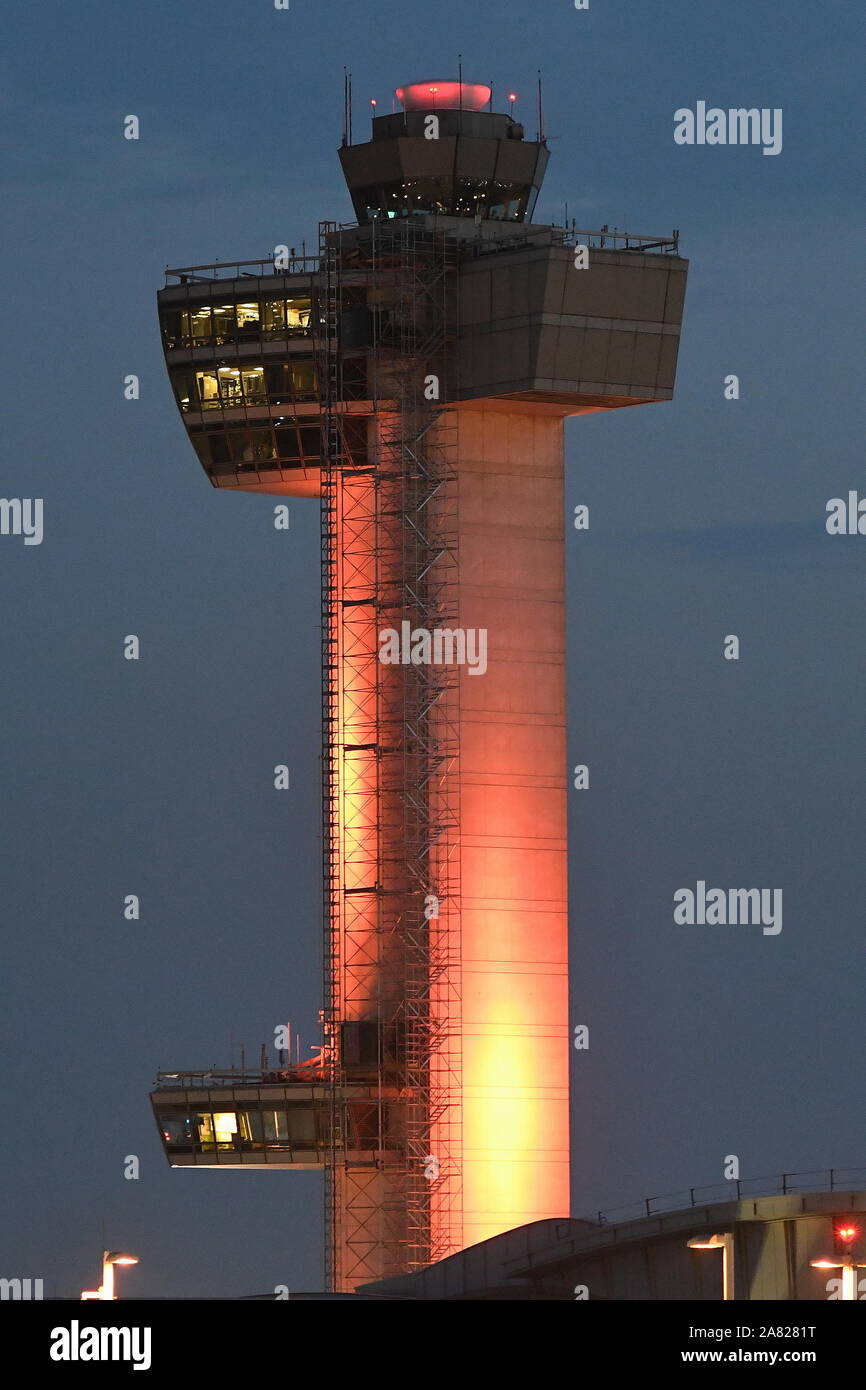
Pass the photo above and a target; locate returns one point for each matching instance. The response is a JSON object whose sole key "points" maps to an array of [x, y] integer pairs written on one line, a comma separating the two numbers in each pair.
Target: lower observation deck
{"points": [[273, 1119]]}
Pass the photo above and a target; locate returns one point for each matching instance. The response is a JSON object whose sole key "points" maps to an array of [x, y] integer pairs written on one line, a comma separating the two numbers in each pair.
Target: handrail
{"points": [[236, 270], [735, 1189], [601, 238]]}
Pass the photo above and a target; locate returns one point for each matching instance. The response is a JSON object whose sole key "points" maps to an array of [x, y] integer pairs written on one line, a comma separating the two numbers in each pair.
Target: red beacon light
{"points": [[443, 96], [847, 1233]]}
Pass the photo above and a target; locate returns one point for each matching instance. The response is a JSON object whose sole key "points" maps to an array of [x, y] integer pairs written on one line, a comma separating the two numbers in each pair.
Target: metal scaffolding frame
{"points": [[391, 751]]}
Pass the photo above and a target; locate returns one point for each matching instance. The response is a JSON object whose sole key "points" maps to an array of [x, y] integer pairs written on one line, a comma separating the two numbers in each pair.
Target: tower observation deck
{"points": [[415, 376]]}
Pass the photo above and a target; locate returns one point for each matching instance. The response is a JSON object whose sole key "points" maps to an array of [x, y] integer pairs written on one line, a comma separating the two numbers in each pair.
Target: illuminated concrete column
{"points": [[513, 822]]}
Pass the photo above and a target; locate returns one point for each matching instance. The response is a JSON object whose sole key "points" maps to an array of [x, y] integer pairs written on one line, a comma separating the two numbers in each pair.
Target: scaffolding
{"points": [[391, 750]]}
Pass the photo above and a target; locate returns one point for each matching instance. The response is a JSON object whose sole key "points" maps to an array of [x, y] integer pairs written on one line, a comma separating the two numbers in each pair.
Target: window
{"points": [[204, 1126], [460, 198], [311, 441], [303, 379], [225, 1127], [208, 389], [196, 326], [287, 445], [250, 447], [184, 387], [251, 1126], [248, 316], [176, 1129], [253, 385], [172, 328], [224, 322], [275, 1126], [302, 1125], [230, 386], [286, 317]]}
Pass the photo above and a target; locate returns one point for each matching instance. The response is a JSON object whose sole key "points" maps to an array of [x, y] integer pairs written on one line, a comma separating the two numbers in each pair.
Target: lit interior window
{"points": [[228, 386], [281, 315], [225, 1126]]}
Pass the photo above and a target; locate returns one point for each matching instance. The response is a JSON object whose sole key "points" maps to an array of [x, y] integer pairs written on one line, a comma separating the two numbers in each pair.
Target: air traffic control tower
{"points": [[414, 376]]}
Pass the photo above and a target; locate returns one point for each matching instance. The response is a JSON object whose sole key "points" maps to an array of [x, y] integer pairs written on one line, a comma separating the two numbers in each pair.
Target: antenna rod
{"points": [[540, 110], [350, 108]]}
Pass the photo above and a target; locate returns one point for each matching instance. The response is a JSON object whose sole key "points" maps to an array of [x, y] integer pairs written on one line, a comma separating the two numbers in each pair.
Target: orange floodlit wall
{"points": [[513, 761]]}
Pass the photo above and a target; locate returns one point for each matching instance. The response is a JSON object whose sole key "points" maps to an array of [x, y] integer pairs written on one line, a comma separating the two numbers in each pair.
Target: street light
{"points": [[110, 1258], [725, 1243], [843, 1258]]}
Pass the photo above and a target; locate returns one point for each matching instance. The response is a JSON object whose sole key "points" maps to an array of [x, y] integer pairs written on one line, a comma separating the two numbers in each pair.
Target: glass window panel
{"points": [[274, 316], [197, 325], [219, 448], [204, 1125], [225, 1126], [207, 386], [275, 1126], [183, 384], [298, 313], [176, 1129], [224, 322], [201, 444], [302, 1125], [230, 385], [279, 384], [251, 446], [251, 1126], [248, 315], [311, 441], [286, 316], [287, 444], [172, 327], [253, 384], [303, 379]]}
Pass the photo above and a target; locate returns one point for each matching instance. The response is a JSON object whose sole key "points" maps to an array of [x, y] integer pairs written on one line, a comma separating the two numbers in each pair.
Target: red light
{"points": [[847, 1233], [373, 101], [512, 96], [420, 96]]}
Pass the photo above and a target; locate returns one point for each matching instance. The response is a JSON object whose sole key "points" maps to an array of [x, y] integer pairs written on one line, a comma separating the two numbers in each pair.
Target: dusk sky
{"points": [[707, 518]]}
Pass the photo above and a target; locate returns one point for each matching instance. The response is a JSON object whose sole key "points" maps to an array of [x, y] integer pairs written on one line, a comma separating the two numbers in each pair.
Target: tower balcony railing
{"points": [[218, 1077], [239, 270], [602, 239]]}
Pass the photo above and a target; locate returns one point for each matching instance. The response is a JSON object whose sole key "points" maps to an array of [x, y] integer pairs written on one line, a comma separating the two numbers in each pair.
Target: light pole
{"points": [[725, 1243], [110, 1258]]}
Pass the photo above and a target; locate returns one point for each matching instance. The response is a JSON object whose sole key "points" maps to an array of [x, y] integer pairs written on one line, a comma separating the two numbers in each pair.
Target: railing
{"points": [[735, 1190], [603, 239], [238, 270], [606, 240], [235, 1076]]}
